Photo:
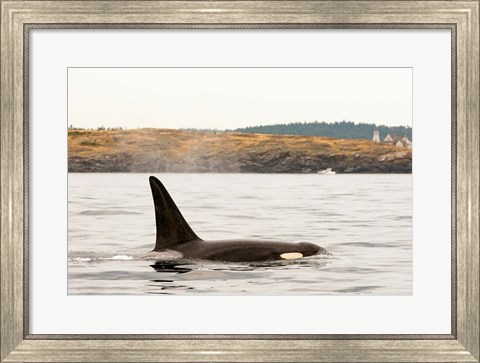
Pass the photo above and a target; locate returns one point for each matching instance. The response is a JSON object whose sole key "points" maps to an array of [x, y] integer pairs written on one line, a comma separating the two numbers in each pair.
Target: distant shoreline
{"points": [[183, 151]]}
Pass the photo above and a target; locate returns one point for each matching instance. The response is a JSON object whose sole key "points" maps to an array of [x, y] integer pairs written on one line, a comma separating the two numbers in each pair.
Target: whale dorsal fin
{"points": [[172, 228]]}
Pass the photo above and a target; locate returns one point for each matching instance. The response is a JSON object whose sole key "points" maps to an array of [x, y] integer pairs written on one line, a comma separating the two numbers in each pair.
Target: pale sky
{"points": [[228, 98]]}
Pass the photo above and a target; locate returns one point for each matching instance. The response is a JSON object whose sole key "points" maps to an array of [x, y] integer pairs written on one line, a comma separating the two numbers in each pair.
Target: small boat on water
{"points": [[327, 171]]}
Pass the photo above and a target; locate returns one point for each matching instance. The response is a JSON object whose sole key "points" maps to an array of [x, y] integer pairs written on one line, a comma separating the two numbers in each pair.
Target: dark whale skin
{"points": [[245, 250], [174, 234]]}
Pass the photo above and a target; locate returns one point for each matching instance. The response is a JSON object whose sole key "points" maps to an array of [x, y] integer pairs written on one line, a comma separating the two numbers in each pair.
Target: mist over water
{"points": [[365, 221]]}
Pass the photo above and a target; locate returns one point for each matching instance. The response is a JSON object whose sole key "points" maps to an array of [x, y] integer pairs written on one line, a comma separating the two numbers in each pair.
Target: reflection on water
{"points": [[202, 276], [365, 221], [169, 267]]}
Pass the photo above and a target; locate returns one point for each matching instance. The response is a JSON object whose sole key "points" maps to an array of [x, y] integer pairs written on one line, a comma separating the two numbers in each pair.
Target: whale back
{"points": [[172, 228]]}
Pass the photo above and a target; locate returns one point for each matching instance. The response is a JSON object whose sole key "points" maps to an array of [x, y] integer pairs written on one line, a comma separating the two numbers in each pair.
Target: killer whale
{"points": [[176, 239]]}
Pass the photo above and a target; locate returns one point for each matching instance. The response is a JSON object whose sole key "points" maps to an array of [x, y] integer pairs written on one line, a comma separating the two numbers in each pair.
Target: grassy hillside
{"points": [[166, 150]]}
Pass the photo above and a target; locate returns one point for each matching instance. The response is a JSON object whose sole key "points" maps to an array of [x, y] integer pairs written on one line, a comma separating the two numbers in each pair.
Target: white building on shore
{"points": [[392, 139]]}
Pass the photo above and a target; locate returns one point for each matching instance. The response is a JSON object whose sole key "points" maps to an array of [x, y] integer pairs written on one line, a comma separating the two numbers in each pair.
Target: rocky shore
{"points": [[162, 150]]}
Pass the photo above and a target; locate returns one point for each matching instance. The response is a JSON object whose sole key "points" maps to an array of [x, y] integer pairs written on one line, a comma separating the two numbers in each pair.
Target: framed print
{"points": [[245, 171], [239, 181]]}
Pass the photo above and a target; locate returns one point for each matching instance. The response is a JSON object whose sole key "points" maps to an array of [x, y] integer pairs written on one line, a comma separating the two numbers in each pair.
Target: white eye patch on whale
{"points": [[176, 239]]}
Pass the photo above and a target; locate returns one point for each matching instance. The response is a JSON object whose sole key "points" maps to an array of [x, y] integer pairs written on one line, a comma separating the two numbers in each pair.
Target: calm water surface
{"points": [[365, 221]]}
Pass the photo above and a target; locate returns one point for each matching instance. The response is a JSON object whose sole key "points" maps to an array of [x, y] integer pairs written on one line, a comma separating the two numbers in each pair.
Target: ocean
{"points": [[363, 220]]}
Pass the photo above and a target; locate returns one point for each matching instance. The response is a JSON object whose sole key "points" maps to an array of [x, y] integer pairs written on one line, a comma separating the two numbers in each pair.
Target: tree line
{"points": [[339, 129]]}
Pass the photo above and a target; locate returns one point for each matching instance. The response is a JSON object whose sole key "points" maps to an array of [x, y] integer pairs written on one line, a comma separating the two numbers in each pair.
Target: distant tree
{"points": [[341, 130], [71, 127]]}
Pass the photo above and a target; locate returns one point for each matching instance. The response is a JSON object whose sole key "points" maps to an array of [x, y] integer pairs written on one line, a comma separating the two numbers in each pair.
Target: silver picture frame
{"points": [[19, 17]]}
